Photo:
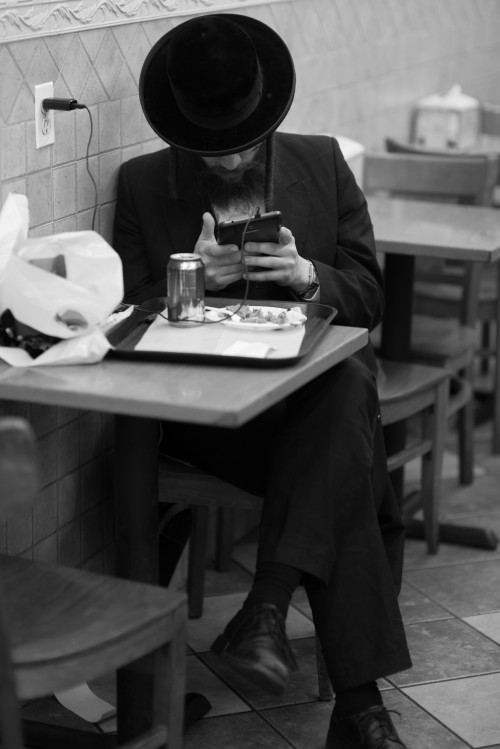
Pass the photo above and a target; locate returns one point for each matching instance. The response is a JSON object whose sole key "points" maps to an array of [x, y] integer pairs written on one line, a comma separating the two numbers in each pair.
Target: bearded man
{"points": [[215, 89]]}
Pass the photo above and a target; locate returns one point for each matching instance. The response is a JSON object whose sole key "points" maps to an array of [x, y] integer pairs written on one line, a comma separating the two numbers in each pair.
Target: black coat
{"points": [[320, 202]]}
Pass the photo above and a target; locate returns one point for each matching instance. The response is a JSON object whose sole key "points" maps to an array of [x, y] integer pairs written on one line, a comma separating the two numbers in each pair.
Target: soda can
{"points": [[185, 289]]}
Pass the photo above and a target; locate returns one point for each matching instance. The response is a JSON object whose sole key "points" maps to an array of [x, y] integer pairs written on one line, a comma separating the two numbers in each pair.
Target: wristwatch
{"points": [[312, 286]]}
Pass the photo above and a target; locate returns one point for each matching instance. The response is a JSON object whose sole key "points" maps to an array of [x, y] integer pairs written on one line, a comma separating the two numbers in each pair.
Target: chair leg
{"points": [[466, 436], [324, 685], [485, 347], [169, 674], [225, 535], [10, 720], [434, 428], [197, 561], [496, 392]]}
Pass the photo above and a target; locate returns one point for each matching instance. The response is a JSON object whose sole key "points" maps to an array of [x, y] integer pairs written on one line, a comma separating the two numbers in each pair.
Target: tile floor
{"points": [[450, 699]]}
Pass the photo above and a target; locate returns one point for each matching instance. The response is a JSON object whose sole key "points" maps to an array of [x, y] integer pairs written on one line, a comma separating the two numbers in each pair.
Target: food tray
{"points": [[125, 336]]}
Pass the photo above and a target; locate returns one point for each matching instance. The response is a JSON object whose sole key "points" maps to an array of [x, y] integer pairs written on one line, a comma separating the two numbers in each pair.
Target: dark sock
{"points": [[357, 699], [273, 583]]}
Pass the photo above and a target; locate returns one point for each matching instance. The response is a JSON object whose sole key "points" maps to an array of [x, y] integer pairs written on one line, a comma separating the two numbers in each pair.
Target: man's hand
{"points": [[280, 262], [222, 263]]}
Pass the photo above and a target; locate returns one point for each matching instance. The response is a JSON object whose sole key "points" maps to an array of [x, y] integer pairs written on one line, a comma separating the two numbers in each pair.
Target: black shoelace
{"points": [[377, 731]]}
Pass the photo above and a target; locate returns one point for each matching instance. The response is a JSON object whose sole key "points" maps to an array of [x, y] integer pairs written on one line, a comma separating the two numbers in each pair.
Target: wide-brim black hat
{"points": [[217, 84]]}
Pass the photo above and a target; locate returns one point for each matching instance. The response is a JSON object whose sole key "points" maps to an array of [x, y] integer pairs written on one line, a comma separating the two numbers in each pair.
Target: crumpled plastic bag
{"points": [[62, 286]]}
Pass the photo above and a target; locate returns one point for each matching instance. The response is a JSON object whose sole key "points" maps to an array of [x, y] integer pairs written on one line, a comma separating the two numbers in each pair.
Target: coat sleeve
{"points": [[129, 241], [351, 279]]}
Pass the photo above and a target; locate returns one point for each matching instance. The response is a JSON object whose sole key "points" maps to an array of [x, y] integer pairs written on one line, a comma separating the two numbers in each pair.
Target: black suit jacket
{"points": [[321, 204]]}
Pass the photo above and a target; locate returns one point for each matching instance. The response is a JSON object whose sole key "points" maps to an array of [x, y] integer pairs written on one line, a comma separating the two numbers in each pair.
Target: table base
{"points": [[460, 535]]}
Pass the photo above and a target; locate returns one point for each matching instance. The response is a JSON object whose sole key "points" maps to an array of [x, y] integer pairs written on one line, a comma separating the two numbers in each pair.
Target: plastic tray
{"points": [[126, 335]]}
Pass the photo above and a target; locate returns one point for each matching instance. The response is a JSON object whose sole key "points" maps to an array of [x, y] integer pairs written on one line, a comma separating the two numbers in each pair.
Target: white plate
{"points": [[296, 321]]}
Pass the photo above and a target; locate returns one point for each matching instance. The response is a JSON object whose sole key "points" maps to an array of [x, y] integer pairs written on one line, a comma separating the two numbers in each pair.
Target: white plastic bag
{"points": [[63, 286]]}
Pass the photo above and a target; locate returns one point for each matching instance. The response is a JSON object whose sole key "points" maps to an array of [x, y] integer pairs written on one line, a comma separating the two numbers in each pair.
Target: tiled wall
{"points": [[72, 522], [360, 66]]}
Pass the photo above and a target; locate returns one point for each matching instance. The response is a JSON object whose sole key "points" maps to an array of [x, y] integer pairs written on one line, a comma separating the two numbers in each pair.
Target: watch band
{"points": [[312, 285]]}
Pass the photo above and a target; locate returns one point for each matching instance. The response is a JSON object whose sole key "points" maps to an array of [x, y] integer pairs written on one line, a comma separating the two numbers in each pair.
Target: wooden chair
{"points": [[489, 293], [450, 292], [409, 391], [61, 626], [442, 335]]}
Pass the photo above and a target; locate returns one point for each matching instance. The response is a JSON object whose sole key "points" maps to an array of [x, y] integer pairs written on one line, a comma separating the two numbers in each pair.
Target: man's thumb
{"points": [[207, 231]]}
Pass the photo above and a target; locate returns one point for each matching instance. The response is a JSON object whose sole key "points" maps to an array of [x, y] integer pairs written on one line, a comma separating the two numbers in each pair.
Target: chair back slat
{"points": [[467, 178]]}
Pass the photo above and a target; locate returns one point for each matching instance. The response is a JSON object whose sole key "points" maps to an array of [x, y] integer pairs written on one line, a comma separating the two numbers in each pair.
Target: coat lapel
{"points": [[182, 216], [292, 198]]}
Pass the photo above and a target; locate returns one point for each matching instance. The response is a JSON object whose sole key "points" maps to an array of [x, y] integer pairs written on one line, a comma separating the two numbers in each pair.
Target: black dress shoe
{"points": [[371, 729], [257, 648]]}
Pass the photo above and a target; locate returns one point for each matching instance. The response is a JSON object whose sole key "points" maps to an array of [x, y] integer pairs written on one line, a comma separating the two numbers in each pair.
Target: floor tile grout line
{"points": [[458, 563], [276, 730], [466, 744], [452, 614], [478, 631], [231, 688], [441, 681]]}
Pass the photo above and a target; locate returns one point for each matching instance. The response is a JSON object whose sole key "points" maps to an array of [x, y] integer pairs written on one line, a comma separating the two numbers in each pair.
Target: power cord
{"points": [[66, 105]]}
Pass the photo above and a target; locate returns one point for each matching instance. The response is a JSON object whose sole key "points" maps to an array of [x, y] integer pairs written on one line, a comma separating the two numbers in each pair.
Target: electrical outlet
{"points": [[44, 120]]}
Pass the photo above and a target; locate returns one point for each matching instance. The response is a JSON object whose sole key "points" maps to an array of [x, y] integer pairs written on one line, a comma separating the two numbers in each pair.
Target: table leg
{"points": [[136, 503], [399, 273], [459, 535], [396, 340], [136, 518]]}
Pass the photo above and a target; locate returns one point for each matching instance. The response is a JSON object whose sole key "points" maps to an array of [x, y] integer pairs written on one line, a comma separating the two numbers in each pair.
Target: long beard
{"points": [[245, 190]]}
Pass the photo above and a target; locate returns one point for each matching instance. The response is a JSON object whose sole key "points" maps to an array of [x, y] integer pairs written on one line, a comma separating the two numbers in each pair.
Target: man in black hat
{"points": [[216, 88]]}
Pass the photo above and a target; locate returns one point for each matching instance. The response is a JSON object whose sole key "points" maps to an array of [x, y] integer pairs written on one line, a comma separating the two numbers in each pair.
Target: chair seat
{"points": [[194, 487], [405, 389], [442, 342], [62, 621]]}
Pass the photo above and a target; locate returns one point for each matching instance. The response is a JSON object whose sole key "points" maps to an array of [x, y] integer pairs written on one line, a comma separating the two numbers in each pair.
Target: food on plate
{"points": [[266, 315]]}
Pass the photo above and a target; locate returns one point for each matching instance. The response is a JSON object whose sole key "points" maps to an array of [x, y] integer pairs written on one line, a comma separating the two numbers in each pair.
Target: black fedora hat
{"points": [[217, 84]]}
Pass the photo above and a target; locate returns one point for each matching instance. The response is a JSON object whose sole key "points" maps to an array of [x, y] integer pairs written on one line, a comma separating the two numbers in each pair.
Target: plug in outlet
{"points": [[44, 120]]}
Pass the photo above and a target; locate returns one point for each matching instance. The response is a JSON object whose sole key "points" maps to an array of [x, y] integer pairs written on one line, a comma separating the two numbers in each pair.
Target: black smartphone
{"points": [[262, 228]]}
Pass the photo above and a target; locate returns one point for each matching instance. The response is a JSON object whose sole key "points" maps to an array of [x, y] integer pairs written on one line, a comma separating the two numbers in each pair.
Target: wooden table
{"points": [[140, 394], [404, 230]]}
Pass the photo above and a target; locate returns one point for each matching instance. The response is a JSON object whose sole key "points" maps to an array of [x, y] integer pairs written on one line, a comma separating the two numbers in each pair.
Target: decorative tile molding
{"points": [[25, 19]]}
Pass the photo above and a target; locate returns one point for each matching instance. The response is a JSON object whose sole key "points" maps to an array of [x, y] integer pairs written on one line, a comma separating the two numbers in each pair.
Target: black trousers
{"points": [[318, 459]]}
